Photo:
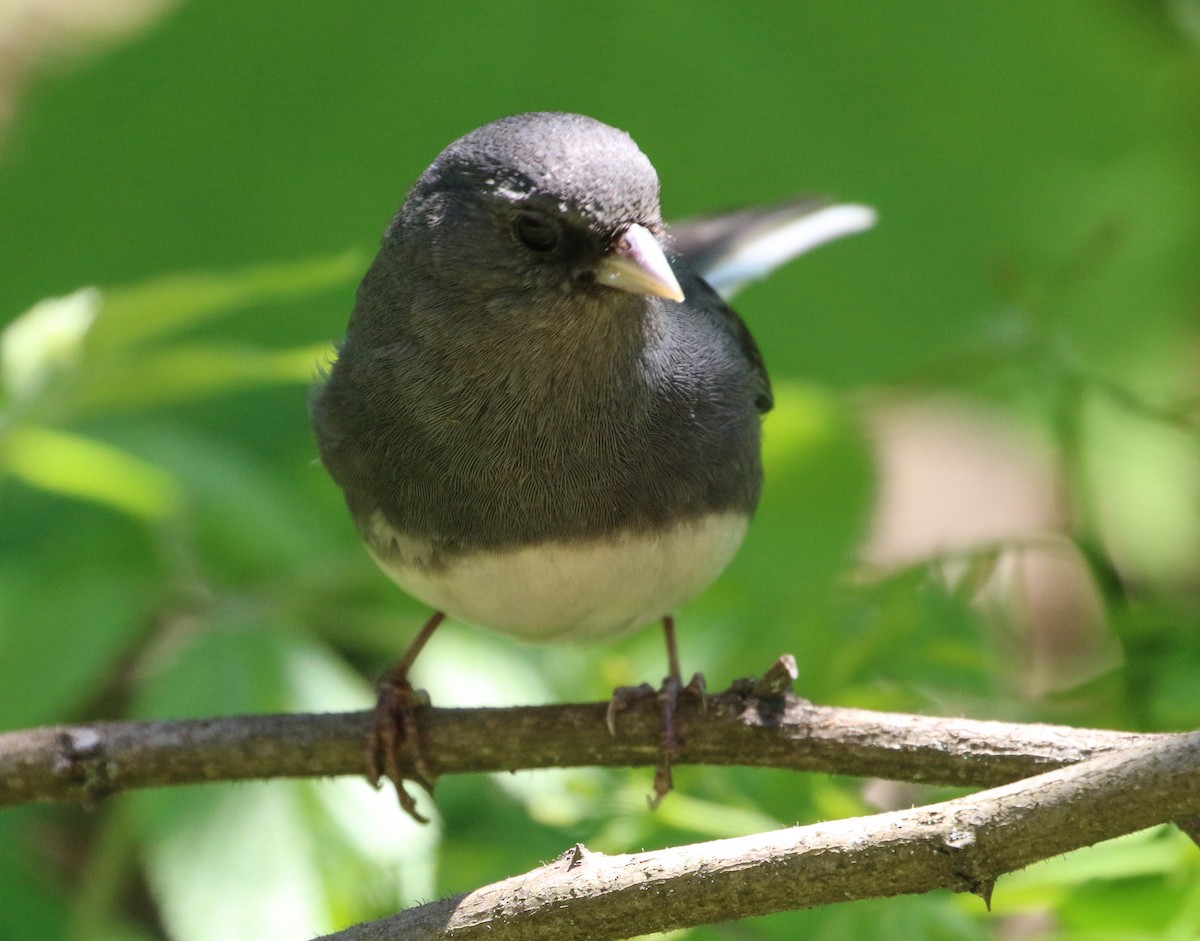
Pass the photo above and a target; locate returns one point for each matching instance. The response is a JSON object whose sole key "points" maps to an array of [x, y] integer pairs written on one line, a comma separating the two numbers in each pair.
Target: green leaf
{"points": [[237, 864], [1158, 851], [156, 378], [134, 316], [820, 482], [278, 860], [73, 466], [45, 342], [31, 905], [62, 630]]}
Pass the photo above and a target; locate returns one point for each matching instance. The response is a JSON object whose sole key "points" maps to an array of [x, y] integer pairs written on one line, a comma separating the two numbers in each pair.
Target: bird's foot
{"points": [[667, 698], [622, 698], [395, 724], [394, 729]]}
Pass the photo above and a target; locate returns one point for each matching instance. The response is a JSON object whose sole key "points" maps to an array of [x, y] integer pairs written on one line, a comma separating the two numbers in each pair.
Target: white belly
{"points": [[562, 590]]}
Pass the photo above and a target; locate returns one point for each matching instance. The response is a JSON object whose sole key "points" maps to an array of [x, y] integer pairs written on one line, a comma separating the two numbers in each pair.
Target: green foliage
{"points": [[169, 547]]}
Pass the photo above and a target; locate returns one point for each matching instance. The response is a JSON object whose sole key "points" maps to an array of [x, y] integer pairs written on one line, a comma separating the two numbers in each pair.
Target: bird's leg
{"points": [[667, 698], [395, 722]]}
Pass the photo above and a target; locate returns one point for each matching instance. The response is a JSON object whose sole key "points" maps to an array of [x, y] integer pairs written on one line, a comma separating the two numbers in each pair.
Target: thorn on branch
{"points": [[576, 856], [960, 844], [984, 891]]}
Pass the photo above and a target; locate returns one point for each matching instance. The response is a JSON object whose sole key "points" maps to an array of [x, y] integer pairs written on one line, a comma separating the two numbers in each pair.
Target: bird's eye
{"points": [[537, 232]]}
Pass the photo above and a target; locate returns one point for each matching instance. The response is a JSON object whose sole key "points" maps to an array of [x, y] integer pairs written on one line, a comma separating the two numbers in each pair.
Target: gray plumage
{"points": [[489, 395]]}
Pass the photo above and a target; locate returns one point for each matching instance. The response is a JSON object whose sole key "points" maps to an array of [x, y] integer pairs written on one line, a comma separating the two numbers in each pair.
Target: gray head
{"points": [[540, 201]]}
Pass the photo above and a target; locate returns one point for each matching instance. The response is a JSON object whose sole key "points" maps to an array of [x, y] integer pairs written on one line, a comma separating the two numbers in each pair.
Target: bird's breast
{"points": [[559, 590]]}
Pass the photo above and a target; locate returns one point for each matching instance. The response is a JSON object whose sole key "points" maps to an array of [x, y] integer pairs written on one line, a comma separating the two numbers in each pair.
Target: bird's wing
{"points": [[702, 295]]}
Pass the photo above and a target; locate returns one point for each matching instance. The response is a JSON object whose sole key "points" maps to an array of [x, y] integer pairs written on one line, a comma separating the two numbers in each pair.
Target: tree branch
{"points": [[1116, 783], [752, 724], [962, 845]]}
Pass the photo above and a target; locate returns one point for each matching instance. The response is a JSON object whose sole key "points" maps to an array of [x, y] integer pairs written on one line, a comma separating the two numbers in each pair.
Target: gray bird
{"points": [[544, 421]]}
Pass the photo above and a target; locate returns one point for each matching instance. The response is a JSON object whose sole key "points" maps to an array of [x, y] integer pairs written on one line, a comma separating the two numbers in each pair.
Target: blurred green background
{"points": [[982, 475]]}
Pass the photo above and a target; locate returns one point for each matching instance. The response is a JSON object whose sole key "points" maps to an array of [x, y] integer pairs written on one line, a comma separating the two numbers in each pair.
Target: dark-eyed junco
{"points": [[545, 421]]}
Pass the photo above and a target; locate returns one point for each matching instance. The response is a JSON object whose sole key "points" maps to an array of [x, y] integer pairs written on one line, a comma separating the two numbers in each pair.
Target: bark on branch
{"points": [[1107, 784], [963, 845], [753, 723]]}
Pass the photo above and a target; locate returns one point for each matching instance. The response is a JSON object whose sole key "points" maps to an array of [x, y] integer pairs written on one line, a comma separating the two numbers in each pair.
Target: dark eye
{"points": [[537, 232]]}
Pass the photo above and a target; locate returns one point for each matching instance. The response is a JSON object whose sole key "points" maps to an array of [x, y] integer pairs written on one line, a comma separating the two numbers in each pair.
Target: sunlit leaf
{"points": [[1144, 489], [1157, 851], [45, 341], [247, 520], [74, 466], [237, 864], [817, 496], [709, 819], [291, 858], [820, 472], [134, 315], [164, 377]]}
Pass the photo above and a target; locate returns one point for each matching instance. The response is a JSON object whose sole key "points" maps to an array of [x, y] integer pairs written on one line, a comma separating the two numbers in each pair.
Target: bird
{"points": [[544, 417]]}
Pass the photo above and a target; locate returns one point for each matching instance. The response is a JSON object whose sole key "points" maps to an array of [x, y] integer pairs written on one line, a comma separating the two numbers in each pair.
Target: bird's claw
{"points": [[395, 725], [667, 700], [622, 698]]}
